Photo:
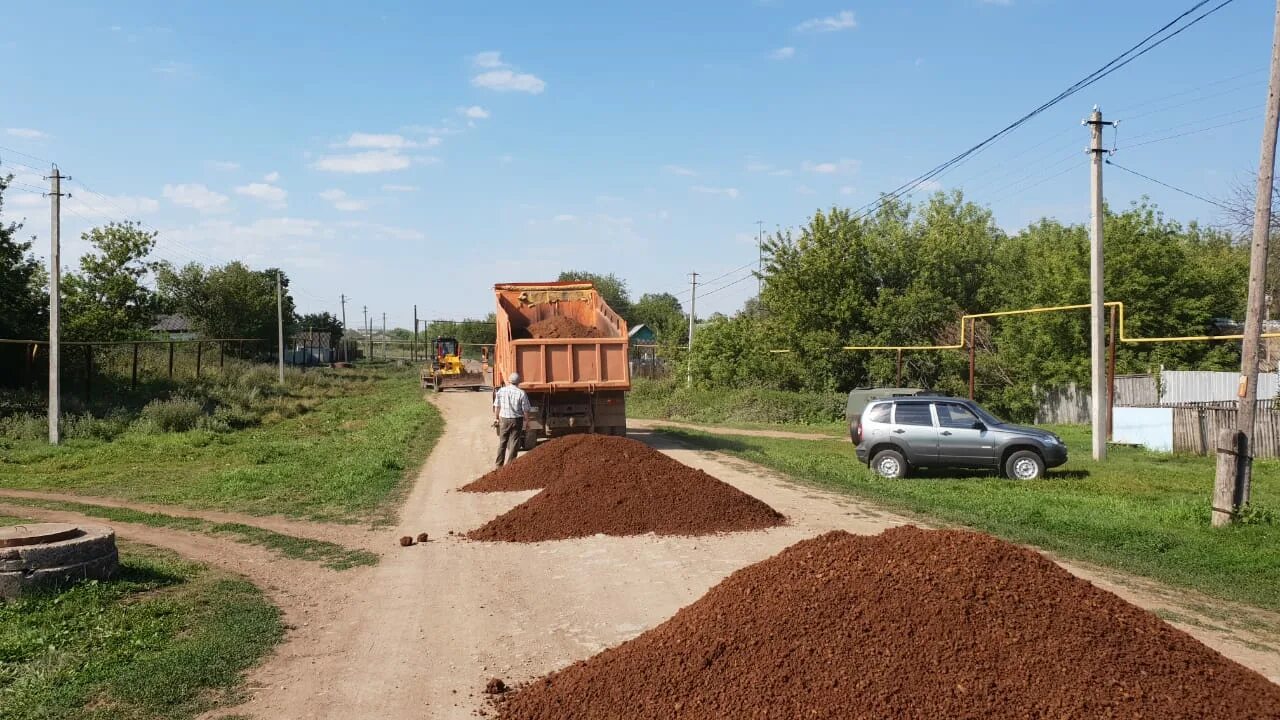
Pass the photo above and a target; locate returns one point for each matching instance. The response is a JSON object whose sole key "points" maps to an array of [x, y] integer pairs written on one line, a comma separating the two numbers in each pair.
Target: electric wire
{"points": [[1175, 188], [1190, 132]]}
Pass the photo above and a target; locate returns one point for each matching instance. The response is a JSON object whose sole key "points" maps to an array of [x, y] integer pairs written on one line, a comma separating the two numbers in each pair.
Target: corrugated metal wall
{"points": [[1193, 386]]}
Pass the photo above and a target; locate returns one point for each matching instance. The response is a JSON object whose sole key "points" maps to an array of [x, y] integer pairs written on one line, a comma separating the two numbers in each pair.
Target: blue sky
{"points": [[419, 152]]}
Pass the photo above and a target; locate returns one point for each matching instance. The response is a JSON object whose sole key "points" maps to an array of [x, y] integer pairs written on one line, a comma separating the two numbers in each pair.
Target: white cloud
{"points": [[783, 53], [848, 190], [110, 207], [225, 165], [928, 186], [726, 192], [828, 168], [26, 133], [804, 190], [679, 170], [373, 161], [488, 59], [475, 112], [271, 177], [780, 173], [341, 201], [195, 196], [502, 76], [272, 195], [756, 166], [386, 141], [25, 199], [172, 68], [842, 21], [400, 188], [509, 81], [564, 218], [375, 231]]}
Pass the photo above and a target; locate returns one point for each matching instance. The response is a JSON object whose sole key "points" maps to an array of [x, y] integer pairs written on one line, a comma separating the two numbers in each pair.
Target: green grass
{"points": [[331, 555], [345, 456], [1139, 512], [166, 639]]}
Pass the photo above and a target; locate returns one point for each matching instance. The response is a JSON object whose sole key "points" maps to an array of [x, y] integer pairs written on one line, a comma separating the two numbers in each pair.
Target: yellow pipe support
{"points": [[1030, 311]]}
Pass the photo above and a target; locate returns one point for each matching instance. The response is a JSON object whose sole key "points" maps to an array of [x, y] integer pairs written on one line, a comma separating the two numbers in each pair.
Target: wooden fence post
{"points": [[221, 352], [170, 360], [1226, 485], [133, 376], [1204, 431], [199, 354]]}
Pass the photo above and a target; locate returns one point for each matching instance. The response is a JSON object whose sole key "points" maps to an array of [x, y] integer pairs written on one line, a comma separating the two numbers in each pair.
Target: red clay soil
{"points": [[908, 624], [615, 486], [532, 470], [559, 326]]}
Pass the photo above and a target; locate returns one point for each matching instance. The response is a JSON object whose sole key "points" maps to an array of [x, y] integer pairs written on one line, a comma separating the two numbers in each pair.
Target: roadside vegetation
{"points": [[750, 407], [165, 638], [1139, 512], [334, 445]]}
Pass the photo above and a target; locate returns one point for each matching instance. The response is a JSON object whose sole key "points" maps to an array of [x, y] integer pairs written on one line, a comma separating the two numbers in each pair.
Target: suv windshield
{"points": [[986, 417]]}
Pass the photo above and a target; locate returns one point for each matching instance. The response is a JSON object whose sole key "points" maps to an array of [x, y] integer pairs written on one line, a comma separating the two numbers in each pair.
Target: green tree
{"points": [[231, 301], [107, 299], [611, 287], [322, 322], [24, 301], [663, 313]]}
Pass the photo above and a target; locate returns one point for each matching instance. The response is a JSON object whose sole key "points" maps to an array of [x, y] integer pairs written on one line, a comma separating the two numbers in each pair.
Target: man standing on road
{"points": [[510, 411]]}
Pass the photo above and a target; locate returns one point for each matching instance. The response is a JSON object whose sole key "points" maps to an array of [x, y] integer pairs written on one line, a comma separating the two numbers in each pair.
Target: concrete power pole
{"points": [[279, 328], [693, 307], [384, 336], [55, 305], [1235, 491], [1097, 309], [343, 300], [368, 336]]}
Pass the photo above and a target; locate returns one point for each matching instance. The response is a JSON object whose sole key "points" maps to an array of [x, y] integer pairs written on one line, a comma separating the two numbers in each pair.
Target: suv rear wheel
{"points": [[889, 464], [1024, 465]]}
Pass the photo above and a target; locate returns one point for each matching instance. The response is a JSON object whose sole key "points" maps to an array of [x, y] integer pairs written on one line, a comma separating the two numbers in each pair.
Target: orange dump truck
{"points": [[577, 382]]}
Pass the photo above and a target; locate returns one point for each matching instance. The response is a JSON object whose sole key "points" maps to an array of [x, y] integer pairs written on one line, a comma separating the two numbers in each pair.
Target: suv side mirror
{"points": [[979, 425]]}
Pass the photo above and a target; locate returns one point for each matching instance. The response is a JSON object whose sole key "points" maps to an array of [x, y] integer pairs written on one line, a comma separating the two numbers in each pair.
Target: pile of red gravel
{"points": [[596, 484], [559, 326], [908, 624], [532, 470]]}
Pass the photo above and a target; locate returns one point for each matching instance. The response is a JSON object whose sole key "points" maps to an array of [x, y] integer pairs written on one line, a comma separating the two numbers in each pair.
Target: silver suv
{"points": [[895, 435]]}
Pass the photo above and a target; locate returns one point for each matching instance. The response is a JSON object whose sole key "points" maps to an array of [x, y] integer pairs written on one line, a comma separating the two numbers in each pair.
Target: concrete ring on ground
{"points": [[45, 553]]}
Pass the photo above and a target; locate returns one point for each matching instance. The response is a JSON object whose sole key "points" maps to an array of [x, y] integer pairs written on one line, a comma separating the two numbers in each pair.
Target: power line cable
{"points": [[1175, 188], [1195, 101], [1144, 46], [25, 155], [1249, 108], [722, 287], [1190, 132], [1152, 101]]}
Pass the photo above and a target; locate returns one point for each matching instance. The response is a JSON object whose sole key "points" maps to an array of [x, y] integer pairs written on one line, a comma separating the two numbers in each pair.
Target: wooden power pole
{"points": [[693, 304], [279, 329], [1233, 480]]}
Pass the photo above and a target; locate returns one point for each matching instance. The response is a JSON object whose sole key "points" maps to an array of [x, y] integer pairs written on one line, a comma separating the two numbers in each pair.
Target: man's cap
{"points": [[515, 378]]}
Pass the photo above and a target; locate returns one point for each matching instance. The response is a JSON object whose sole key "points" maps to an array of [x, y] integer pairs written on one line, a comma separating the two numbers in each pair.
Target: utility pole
{"points": [[368, 336], [343, 300], [759, 258], [1097, 310], [413, 354], [384, 336], [55, 305], [693, 308], [279, 328], [1236, 493]]}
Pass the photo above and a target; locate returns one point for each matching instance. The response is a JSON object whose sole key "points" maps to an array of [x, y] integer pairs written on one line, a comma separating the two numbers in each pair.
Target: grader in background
{"points": [[448, 370]]}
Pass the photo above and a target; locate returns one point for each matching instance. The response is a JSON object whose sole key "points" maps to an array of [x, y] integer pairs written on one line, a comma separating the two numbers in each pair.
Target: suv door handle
{"points": [[899, 431], [946, 432]]}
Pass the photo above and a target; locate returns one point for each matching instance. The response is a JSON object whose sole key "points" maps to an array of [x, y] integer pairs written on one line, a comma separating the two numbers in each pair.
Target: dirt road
{"points": [[418, 635]]}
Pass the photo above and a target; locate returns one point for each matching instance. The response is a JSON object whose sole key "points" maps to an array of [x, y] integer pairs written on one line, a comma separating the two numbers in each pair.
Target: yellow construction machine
{"points": [[448, 369]]}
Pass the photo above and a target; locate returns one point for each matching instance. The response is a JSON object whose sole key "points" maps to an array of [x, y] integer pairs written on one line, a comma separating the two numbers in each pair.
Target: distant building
{"points": [[642, 335], [173, 327]]}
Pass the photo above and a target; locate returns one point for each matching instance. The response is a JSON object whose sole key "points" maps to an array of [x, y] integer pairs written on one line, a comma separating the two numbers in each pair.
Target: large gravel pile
{"points": [[595, 484], [908, 624], [559, 326]]}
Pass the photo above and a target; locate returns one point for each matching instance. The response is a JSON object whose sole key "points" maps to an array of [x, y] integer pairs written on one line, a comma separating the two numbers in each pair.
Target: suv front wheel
{"points": [[889, 464], [1024, 465]]}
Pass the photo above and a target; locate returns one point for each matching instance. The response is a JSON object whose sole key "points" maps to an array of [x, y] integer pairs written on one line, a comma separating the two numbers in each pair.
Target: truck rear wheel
{"points": [[530, 440]]}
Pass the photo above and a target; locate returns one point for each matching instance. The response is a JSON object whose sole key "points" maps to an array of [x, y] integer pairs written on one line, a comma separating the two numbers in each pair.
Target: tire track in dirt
{"points": [[353, 536]]}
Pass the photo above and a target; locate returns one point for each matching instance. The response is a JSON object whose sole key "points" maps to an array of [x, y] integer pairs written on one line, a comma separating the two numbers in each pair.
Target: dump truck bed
{"points": [[559, 364]]}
